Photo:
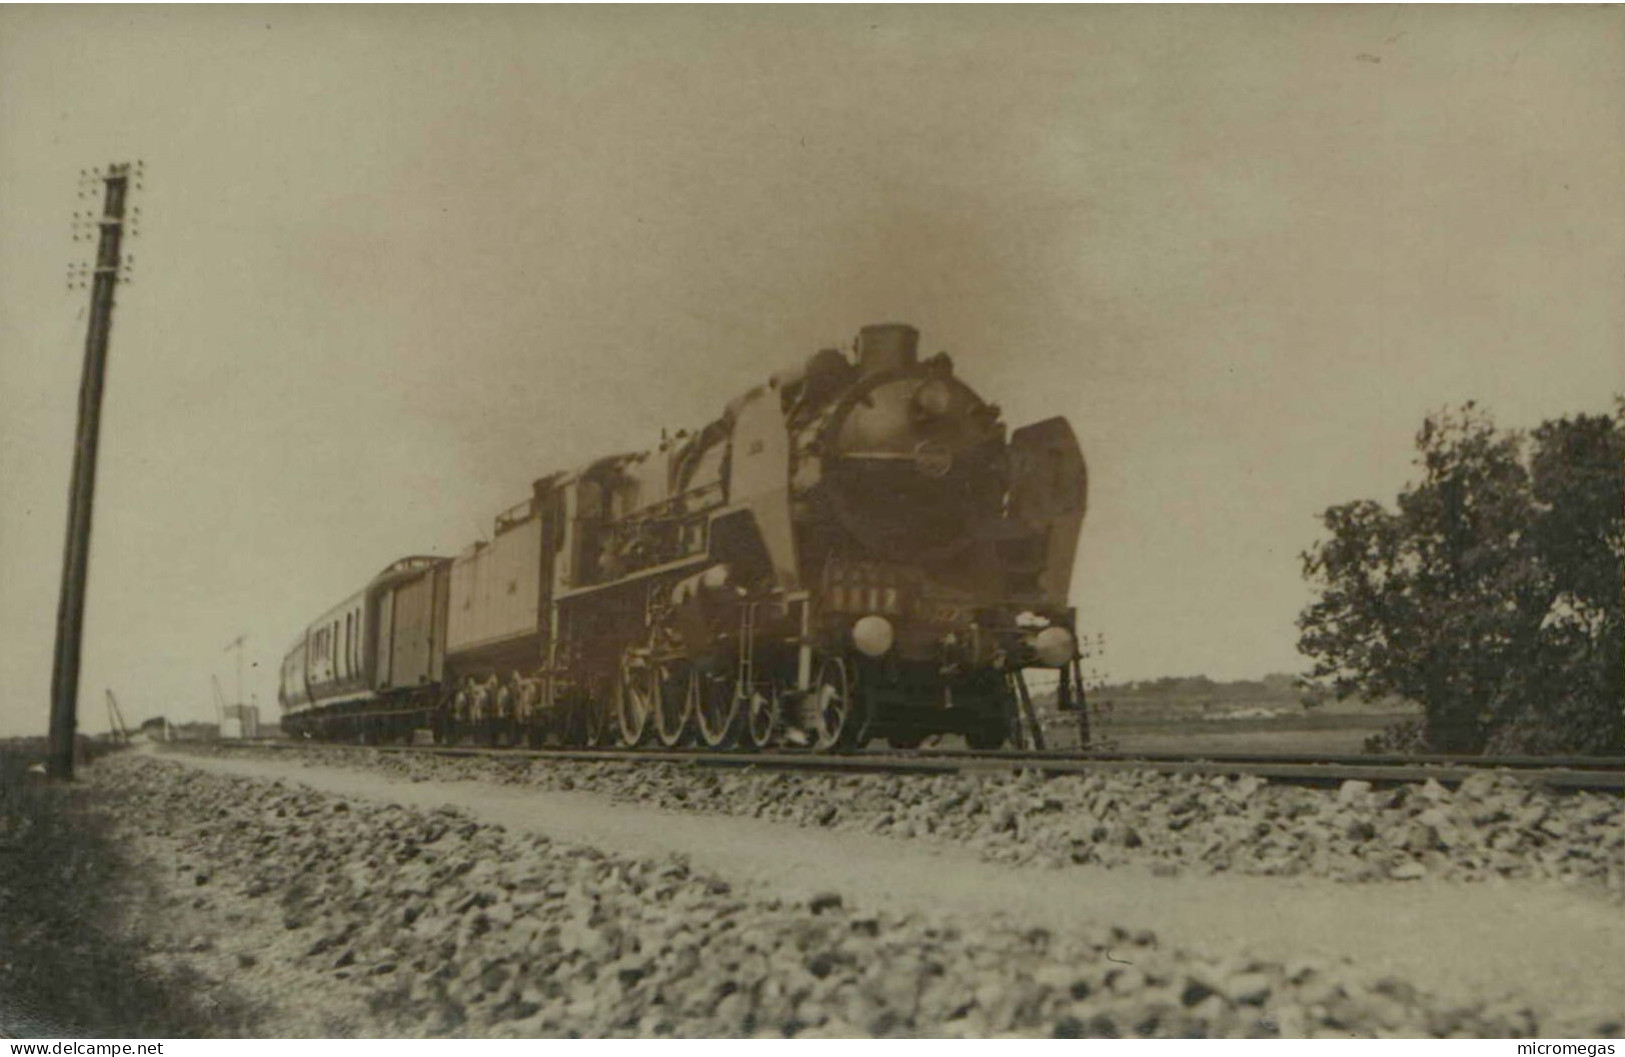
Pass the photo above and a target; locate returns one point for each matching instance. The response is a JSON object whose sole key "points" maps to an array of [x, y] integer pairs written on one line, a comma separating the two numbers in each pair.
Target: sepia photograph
{"points": [[812, 522]]}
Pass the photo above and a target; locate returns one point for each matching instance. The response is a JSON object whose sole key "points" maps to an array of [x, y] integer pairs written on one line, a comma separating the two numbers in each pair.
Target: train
{"points": [[856, 550]]}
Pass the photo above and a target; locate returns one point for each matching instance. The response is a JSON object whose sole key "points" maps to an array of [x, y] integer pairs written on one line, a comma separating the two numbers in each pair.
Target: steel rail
{"points": [[1572, 763], [1306, 769]]}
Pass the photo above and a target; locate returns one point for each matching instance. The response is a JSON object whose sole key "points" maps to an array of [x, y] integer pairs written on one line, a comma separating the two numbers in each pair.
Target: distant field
{"points": [[1310, 732], [1196, 715]]}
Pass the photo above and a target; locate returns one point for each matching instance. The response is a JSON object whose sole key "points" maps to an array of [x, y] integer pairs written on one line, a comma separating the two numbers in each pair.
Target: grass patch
{"points": [[72, 963]]}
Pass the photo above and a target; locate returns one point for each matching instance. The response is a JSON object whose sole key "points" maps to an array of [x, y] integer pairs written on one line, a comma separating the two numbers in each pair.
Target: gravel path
{"points": [[1492, 826], [1450, 941]]}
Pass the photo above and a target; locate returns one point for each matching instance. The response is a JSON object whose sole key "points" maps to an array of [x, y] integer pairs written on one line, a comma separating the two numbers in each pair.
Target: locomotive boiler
{"points": [[854, 550]]}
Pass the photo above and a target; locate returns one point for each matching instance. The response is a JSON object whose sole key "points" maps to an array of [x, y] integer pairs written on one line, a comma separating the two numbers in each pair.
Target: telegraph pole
{"points": [[117, 182]]}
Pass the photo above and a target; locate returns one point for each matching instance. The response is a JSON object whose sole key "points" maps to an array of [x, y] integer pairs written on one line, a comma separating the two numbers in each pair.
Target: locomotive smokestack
{"points": [[887, 347]]}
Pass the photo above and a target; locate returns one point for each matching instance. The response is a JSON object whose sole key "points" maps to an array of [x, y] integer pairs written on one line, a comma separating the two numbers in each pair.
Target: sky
{"points": [[395, 263]]}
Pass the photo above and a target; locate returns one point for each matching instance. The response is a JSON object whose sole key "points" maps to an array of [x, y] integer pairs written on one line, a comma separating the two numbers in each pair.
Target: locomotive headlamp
{"points": [[1055, 646], [873, 635], [933, 399]]}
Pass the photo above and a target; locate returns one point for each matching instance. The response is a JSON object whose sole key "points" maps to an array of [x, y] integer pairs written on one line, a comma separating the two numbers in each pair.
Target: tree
{"points": [[1491, 594]]}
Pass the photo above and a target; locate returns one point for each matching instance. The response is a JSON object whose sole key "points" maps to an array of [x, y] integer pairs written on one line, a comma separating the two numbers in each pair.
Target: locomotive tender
{"points": [[853, 551]]}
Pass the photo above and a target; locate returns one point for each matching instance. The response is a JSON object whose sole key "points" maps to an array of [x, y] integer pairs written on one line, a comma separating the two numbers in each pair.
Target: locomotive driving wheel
{"points": [[637, 696], [716, 702], [831, 707], [673, 705]]}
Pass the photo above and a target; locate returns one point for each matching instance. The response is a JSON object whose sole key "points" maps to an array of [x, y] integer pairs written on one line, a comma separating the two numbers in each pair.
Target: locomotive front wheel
{"points": [[831, 707], [761, 708], [637, 697], [717, 704]]}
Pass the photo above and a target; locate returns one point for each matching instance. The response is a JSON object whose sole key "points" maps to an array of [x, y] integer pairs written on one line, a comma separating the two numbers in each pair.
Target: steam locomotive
{"points": [[852, 551]]}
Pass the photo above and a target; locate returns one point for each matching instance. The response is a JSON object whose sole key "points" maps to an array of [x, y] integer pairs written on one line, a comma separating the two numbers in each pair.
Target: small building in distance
{"points": [[240, 721]]}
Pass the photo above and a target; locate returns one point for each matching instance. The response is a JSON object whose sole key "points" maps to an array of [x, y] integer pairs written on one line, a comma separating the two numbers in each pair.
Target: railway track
{"points": [[1591, 774]]}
